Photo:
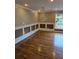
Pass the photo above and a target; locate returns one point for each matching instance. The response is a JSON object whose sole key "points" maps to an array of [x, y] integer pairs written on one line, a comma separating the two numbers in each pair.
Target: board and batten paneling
{"points": [[42, 25], [33, 27], [27, 30], [18, 33], [50, 26]]}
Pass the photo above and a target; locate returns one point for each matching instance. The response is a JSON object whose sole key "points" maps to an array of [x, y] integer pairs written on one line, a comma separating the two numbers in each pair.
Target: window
{"points": [[59, 21]]}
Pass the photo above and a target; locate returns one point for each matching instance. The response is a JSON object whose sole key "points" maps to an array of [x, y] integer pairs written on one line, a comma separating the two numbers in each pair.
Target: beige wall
{"points": [[47, 17], [24, 16]]}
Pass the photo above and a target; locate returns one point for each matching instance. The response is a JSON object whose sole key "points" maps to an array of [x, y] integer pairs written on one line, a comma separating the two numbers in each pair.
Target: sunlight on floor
{"points": [[58, 40]]}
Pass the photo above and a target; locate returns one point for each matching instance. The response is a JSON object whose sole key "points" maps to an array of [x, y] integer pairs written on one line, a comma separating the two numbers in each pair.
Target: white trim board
{"points": [[45, 29], [16, 28], [58, 31]]}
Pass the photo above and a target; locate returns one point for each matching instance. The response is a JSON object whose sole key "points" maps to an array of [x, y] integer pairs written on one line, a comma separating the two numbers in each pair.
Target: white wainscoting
{"points": [[46, 29], [25, 36], [18, 39]]}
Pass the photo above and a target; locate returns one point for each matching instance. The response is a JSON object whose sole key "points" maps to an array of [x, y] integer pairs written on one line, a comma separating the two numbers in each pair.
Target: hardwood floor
{"points": [[41, 45]]}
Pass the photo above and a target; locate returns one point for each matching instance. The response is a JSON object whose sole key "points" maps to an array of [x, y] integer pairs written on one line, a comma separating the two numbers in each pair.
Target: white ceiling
{"points": [[42, 4]]}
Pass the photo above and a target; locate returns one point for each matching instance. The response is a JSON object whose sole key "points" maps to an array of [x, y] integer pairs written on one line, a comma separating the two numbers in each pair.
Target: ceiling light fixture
{"points": [[26, 5], [52, 0]]}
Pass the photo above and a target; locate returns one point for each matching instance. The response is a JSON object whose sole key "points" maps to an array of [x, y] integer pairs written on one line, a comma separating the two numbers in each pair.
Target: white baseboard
{"points": [[58, 31], [17, 40], [46, 29]]}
